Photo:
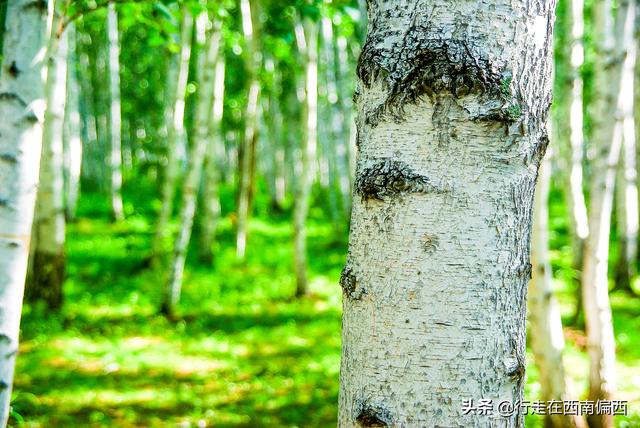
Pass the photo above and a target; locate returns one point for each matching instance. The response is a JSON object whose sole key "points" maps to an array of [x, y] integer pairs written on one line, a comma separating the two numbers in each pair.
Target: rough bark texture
{"points": [[47, 271], [545, 324], [22, 106], [452, 103]]}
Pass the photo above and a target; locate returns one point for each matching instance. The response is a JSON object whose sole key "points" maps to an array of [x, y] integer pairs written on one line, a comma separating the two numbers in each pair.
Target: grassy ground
{"points": [[244, 354]]}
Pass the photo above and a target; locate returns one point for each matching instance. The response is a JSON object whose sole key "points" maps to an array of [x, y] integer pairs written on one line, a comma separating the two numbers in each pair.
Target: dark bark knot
{"points": [[14, 71], [423, 63], [349, 284], [8, 158], [429, 243], [370, 415], [388, 179]]}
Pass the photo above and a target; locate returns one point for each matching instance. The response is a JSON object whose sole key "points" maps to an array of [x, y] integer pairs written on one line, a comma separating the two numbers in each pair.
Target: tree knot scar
{"points": [[388, 179], [37, 4], [429, 243], [14, 71], [515, 368], [349, 284], [372, 415], [8, 158], [423, 62]]}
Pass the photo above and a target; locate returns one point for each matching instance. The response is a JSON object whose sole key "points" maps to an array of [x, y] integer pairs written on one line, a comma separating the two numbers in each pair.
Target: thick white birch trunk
{"points": [[175, 134], [209, 44], [72, 139], [307, 155], [249, 27], [47, 271], [595, 285], [22, 105], [545, 323], [452, 103], [115, 119]]}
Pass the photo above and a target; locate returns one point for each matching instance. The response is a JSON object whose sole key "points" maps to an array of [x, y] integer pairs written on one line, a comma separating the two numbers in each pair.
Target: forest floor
{"points": [[243, 354]]}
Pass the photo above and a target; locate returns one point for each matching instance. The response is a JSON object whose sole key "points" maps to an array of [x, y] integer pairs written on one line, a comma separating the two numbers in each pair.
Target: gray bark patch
{"points": [[389, 178]]}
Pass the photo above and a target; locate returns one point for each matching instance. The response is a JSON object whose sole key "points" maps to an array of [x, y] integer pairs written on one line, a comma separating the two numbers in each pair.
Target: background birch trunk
{"points": [[451, 131], [247, 152], [309, 44], [213, 160], [47, 271], [72, 127], [595, 285], [115, 119], [545, 323], [176, 133], [22, 103], [208, 42]]}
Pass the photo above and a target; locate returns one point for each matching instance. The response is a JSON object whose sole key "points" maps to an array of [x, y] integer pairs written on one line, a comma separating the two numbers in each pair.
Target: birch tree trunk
{"points": [[72, 126], [595, 285], [211, 197], [209, 44], [47, 271], [22, 104], [176, 132], [452, 102], [115, 119], [627, 188], [247, 155], [545, 323], [307, 155], [572, 121]]}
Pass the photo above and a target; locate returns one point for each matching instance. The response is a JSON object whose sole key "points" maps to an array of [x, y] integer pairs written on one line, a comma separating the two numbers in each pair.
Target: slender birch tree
{"points": [[174, 114], [595, 284], [308, 42], [247, 152], [47, 271], [208, 41], [210, 195], [22, 104], [545, 323], [452, 102]]}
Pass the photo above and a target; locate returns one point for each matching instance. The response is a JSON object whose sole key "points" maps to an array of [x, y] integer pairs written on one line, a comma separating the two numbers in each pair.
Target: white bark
{"points": [[213, 160], [22, 105], [176, 133], [627, 187], [545, 323], [49, 222], [72, 140], [249, 23], [597, 309], [115, 119], [452, 104], [307, 154], [206, 66]]}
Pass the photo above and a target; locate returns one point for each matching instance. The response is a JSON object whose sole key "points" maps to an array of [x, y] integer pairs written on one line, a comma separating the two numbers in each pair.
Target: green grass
{"points": [[243, 354]]}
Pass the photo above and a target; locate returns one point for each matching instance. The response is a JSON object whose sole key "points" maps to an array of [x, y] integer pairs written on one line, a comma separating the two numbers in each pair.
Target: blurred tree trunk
{"points": [[451, 131], [72, 126], [627, 186], [346, 147], [308, 44], [570, 127], [545, 324], [248, 148], [178, 76], [595, 286], [115, 119], [48, 233], [213, 162], [274, 150], [22, 106], [208, 42]]}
